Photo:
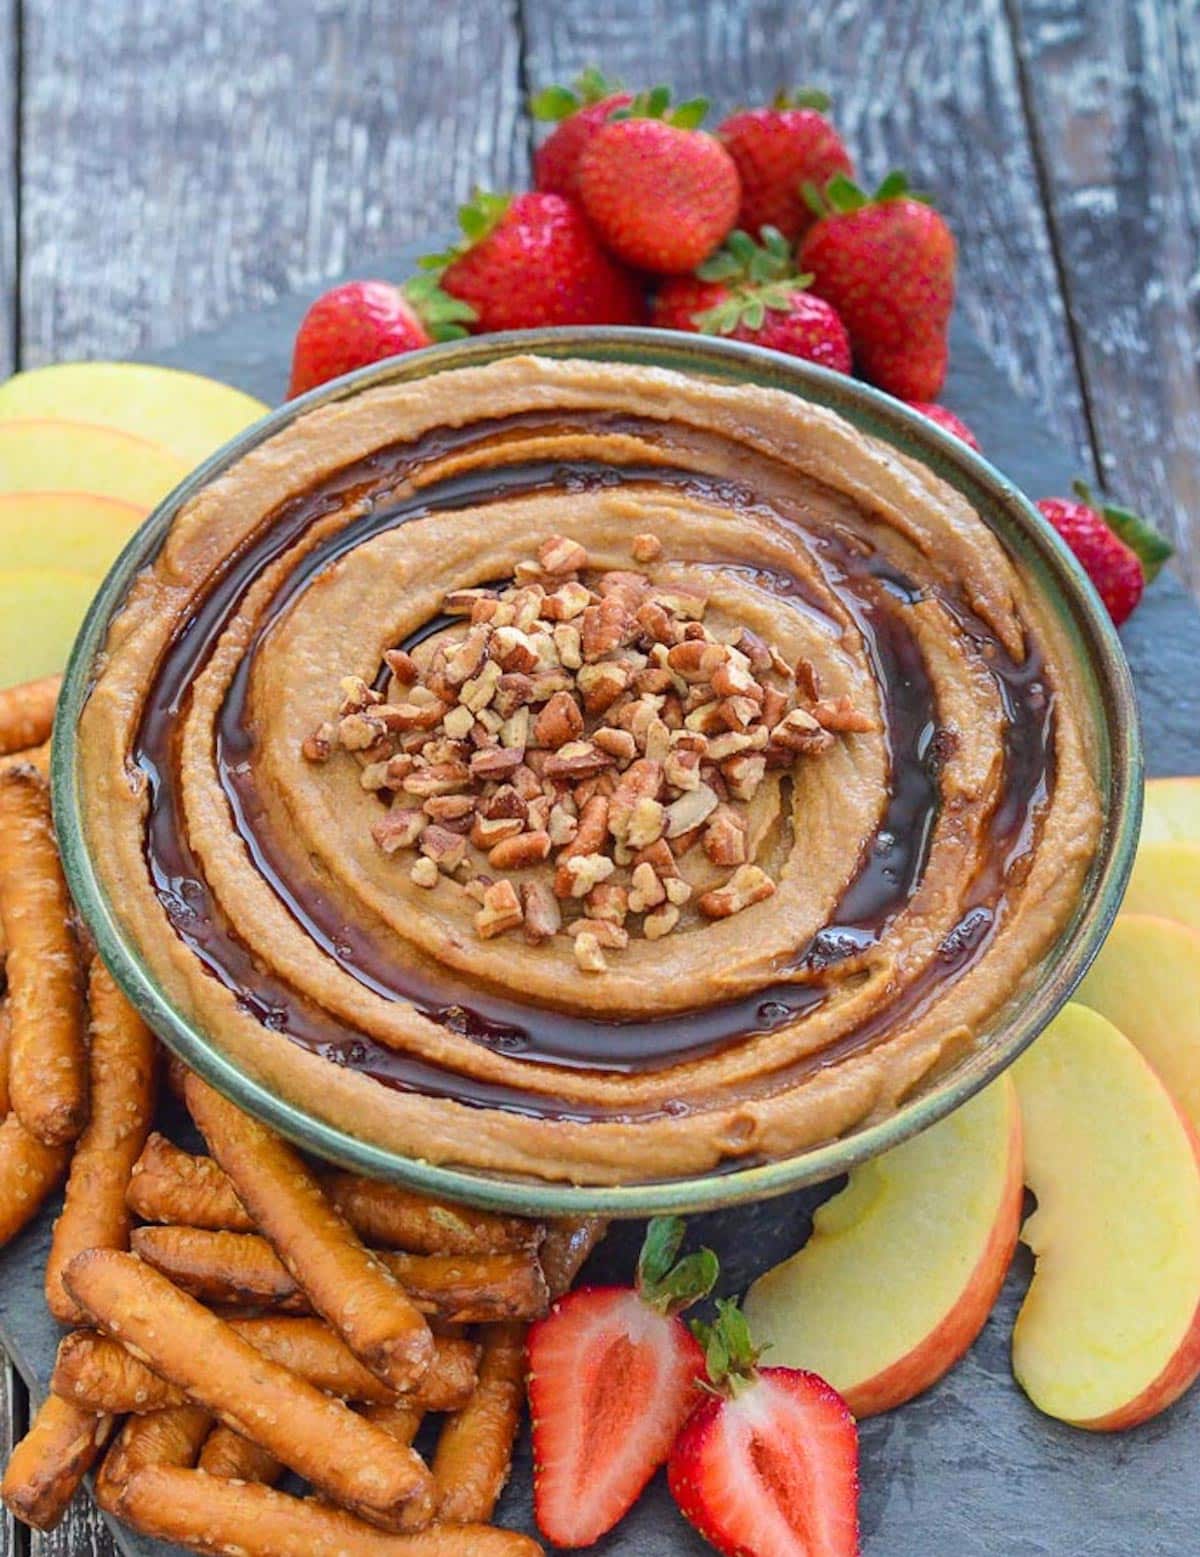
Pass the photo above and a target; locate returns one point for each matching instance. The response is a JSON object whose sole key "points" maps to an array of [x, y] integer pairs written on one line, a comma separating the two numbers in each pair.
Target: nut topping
{"points": [[585, 731]]}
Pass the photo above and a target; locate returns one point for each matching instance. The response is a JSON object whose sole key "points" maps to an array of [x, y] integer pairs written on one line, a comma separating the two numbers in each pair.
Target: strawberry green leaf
{"points": [[843, 194], [814, 199], [893, 186], [445, 317], [665, 1285], [730, 1354], [1150, 547], [592, 85], [554, 103], [802, 97], [721, 266], [689, 115]]}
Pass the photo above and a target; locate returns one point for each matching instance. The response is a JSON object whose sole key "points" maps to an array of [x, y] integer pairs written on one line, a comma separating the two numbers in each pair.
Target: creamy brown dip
{"points": [[920, 868]]}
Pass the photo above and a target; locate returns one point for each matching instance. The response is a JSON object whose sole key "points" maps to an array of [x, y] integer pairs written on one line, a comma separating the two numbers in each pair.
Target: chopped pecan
{"points": [[357, 695], [646, 547], [477, 693], [607, 900], [840, 715], [501, 910], [464, 661], [514, 650], [359, 732], [647, 891], [682, 600], [514, 732], [496, 762], [505, 802], [692, 808], [656, 623], [800, 732], [588, 954], [514, 690], [375, 775], [755, 650], [617, 743], [696, 660], [399, 829], [462, 602], [543, 916], [605, 628], [661, 922], [743, 774], [567, 602], [807, 679], [424, 873], [558, 721], [449, 808], [584, 871], [613, 936], [747, 885], [660, 859], [440, 778], [458, 722], [488, 831], [560, 554], [569, 643], [446, 849], [625, 586], [403, 667], [520, 852], [601, 685], [576, 760], [646, 824], [562, 826], [681, 768], [318, 746], [725, 837]]}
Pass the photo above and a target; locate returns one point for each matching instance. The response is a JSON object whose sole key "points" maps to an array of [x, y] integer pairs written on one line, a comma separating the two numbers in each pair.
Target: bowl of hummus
{"points": [[598, 769]]}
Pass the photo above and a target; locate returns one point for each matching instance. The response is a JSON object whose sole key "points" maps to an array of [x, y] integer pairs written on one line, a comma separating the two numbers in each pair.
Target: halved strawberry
{"points": [[767, 1464], [613, 1373]]}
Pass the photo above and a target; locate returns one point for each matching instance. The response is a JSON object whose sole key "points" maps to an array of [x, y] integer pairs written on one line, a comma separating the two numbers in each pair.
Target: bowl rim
{"points": [[869, 410]]}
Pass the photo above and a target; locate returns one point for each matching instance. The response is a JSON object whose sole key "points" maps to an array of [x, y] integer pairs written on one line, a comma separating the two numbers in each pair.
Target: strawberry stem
{"points": [[730, 1355], [802, 97], [656, 104], [666, 1284]]}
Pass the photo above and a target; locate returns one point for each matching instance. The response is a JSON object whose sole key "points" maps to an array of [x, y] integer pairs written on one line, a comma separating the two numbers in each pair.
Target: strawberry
{"points": [[661, 193], [531, 259], [1120, 551], [578, 113], [364, 321], [886, 263], [946, 418], [613, 1373], [751, 292], [777, 151], [767, 1465]]}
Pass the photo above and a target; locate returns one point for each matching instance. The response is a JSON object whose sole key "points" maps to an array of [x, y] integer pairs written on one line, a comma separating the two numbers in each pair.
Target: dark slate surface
{"points": [[970, 1469]]}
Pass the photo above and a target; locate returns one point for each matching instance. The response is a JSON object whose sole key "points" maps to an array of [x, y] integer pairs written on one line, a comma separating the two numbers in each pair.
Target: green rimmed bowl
{"points": [[1041, 556]]}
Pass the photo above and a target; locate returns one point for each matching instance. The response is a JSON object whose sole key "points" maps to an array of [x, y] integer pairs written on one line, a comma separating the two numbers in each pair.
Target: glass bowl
{"points": [[1043, 556]]}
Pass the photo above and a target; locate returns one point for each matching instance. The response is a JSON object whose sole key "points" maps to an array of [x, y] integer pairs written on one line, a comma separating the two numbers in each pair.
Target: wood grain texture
{"points": [[917, 84], [1113, 90], [185, 161], [9, 179]]}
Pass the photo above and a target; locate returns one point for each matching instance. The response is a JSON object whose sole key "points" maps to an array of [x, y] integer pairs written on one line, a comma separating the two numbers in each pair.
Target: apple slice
{"points": [[1146, 981], [60, 456], [41, 529], [1165, 881], [1172, 810], [1109, 1333], [190, 415], [903, 1265], [40, 613]]}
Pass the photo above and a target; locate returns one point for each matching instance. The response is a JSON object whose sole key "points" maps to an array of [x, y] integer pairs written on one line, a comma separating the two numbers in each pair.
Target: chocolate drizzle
{"points": [[385, 491]]}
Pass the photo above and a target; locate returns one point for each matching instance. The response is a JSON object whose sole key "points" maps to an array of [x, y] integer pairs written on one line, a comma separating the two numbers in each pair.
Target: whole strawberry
{"points": [[767, 1463], [362, 322], [1119, 550], [578, 112], [886, 262], [531, 259], [661, 193], [750, 292], [946, 418], [778, 150]]}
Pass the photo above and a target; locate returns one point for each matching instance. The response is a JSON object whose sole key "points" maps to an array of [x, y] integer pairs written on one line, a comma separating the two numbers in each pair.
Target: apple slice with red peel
{"points": [[1109, 1333], [904, 1265], [1171, 811], [1146, 981]]}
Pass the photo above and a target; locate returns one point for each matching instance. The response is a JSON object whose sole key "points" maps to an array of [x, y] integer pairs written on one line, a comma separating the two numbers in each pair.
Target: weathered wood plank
{"points": [[1114, 91], [916, 84], [9, 133], [186, 161]]}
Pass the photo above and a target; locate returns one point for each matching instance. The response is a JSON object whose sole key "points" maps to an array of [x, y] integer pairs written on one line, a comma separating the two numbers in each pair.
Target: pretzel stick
{"points": [[474, 1452], [565, 1248], [172, 1186], [228, 1454], [170, 1437], [29, 1170], [5, 1041], [98, 1372], [317, 1436], [343, 1281], [240, 1268], [213, 1516], [27, 713], [121, 1064], [402, 1421], [47, 1057], [31, 757], [51, 1460]]}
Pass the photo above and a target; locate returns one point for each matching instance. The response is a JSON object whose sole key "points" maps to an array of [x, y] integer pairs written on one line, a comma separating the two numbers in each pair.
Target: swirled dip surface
{"points": [[922, 866]]}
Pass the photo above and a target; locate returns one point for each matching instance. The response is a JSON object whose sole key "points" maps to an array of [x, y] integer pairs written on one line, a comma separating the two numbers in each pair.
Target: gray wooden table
{"points": [[169, 164]]}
